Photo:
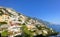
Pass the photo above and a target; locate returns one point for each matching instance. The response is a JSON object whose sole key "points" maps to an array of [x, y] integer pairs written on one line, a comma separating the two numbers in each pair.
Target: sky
{"points": [[47, 10]]}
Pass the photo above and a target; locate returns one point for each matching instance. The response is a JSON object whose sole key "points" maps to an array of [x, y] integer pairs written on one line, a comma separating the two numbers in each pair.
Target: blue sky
{"points": [[48, 10]]}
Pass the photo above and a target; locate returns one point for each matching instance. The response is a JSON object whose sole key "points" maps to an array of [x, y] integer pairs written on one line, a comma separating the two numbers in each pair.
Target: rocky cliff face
{"points": [[13, 24]]}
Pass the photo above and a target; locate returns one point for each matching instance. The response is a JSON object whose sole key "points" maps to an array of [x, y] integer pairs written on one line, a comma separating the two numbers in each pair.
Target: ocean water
{"points": [[56, 35], [56, 28]]}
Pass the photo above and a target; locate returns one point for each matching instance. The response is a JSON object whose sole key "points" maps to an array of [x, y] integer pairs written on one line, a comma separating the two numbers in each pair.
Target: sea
{"points": [[56, 28]]}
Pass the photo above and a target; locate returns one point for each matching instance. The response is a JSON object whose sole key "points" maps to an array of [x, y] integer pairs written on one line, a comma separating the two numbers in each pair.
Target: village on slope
{"points": [[13, 23]]}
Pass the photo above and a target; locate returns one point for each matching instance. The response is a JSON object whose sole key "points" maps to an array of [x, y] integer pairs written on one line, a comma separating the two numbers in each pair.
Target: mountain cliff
{"points": [[13, 23]]}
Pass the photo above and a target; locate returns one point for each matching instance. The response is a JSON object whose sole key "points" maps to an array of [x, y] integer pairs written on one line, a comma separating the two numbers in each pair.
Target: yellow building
{"points": [[3, 18]]}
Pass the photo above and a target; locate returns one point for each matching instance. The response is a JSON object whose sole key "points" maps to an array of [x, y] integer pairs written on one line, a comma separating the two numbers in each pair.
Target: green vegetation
{"points": [[1, 12], [1, 23], [26, 32], [4, 33]]}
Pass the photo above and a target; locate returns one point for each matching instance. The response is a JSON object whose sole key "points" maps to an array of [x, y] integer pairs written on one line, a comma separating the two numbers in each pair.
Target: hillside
{"points": [[14, 23]]}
